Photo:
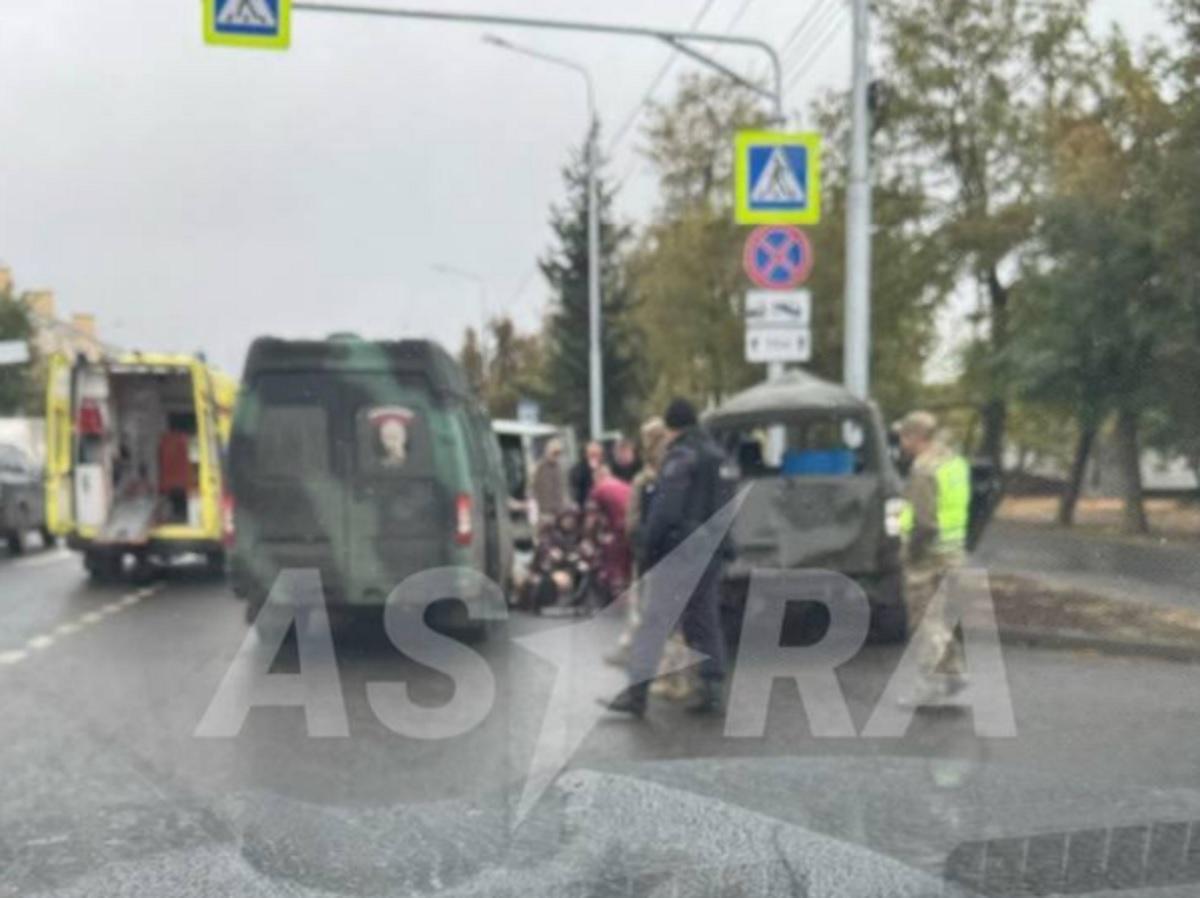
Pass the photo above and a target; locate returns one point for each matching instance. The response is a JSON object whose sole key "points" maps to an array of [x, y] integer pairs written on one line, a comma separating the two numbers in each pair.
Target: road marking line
{"points": [[67, 628]]}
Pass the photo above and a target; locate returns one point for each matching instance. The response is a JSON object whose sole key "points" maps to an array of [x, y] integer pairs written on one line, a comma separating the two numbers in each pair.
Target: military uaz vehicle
{"points": [[367, 461], [823, 492]]}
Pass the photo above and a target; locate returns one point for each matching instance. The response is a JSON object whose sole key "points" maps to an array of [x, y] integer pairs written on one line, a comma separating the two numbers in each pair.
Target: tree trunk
{"points": [[1074, 485], [995, 410], [1130, 461]]}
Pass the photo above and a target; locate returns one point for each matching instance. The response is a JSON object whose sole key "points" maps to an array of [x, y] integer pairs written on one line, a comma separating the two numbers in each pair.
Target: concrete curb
{"points": [[1183, 652]]}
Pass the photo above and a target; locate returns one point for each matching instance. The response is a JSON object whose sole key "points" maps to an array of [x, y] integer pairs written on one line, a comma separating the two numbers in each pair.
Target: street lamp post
{"points": [[857, 361], [595, 360]]}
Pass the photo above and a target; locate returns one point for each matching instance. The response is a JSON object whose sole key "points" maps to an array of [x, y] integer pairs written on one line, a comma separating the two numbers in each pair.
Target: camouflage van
{"points": [[823, 490], [368, 461]]}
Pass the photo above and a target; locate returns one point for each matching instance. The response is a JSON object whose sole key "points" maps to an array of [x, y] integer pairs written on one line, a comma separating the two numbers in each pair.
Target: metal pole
{"points": [[665, 34], [857, 339], [592, 161], [596, 363]]}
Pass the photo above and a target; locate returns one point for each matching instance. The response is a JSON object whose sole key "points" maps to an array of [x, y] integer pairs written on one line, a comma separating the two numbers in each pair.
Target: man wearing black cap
{"points": [[690, 491]]}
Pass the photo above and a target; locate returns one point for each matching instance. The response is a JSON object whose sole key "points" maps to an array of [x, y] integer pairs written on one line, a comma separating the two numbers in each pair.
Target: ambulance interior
{"points": [[137, 452]]}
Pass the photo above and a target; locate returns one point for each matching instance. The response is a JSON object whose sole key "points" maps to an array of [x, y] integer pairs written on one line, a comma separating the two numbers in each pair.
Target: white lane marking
{"points": [[70, 627]]}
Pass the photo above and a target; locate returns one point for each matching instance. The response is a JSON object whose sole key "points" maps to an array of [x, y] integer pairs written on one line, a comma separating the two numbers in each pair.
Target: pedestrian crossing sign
{"points": [[777, 178], [266, 24]]}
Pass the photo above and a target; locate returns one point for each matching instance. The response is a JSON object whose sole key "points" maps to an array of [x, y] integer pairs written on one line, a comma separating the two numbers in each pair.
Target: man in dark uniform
{"points": [[690, 491]]}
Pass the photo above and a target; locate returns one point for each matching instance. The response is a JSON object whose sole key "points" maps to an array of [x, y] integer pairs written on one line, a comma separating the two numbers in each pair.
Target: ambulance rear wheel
{"points": [[102, 566]]}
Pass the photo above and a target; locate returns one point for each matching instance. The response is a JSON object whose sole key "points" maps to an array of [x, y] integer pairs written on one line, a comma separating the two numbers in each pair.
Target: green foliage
{"points": [[1096, 314], [18, 387], [514, 369], [565, 267], [686, 270], [470, 356], [910, 276], [973, 86], [688, 277], [510, 370]]}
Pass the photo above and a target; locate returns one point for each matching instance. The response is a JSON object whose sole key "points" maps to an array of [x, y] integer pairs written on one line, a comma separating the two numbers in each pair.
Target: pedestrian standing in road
{"points": [[583, 474], [654, 445], [625, 460], [548, 489], [674, 684], [609, 503], [690, 491], [934, 529]]}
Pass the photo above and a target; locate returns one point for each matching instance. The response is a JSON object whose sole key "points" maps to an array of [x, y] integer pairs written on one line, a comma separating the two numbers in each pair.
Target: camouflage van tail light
{"points": [[227, 532], [462, 519]]}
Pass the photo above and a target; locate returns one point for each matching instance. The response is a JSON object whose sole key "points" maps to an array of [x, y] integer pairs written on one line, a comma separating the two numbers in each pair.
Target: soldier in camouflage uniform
{"points": [[934, 528]]}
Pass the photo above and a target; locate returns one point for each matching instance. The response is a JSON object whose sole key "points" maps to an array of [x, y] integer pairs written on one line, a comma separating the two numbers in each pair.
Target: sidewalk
{"points": [[1060, 589], [1167, 574]]}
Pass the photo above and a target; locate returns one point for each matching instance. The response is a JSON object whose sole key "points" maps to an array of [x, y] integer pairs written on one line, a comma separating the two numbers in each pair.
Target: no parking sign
{"points": [[778, 257]]}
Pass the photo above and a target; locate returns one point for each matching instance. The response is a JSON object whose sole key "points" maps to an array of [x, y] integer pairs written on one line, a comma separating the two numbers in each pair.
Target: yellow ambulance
{"points": [[135, 449]]}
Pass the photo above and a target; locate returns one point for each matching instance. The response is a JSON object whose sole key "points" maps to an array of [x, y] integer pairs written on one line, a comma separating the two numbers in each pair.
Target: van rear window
{"points": [[289, 425], [825, 445], [293, 439]]}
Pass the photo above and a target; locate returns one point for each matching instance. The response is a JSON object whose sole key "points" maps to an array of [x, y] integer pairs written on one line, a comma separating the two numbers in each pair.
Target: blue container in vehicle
{"points": [[818, 462]]}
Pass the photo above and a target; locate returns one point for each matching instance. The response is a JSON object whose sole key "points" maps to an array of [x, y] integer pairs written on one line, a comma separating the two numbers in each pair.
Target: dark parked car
{"points": [[368, 461], [22, 499], [824, 492]]}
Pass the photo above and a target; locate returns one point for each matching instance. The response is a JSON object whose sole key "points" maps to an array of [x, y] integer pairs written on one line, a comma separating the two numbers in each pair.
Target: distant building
{"points": [[1103, 477], [51, 335]]}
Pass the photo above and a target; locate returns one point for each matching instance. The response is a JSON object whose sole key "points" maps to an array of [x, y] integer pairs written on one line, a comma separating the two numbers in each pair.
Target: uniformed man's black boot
{"points": [[708, 697], [630, 700]]}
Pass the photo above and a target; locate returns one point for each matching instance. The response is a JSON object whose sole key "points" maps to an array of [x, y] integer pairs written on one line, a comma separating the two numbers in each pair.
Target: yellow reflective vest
{"points": [[951, 480]]}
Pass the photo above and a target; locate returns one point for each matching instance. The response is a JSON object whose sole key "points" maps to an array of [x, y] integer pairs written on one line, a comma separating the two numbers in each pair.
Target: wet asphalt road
{"points": [[106, 789]]}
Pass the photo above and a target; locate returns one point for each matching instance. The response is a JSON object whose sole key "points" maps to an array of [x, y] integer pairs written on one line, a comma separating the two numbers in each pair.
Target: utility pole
{"points": [[857, 342], [591, 151], [595, 361]]}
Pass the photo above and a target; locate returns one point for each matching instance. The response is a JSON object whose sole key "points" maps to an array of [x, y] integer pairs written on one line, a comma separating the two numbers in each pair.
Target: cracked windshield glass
{"points": [[718, 448]]}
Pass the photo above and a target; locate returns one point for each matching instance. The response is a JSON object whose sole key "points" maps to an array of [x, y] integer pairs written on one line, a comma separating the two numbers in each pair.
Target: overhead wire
{"points": [[803, 24], [812, 36], [805, 63], [667, 65]]}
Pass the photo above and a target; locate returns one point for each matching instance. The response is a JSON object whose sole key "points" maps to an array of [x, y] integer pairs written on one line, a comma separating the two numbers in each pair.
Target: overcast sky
{"points": [[196, 197]]}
